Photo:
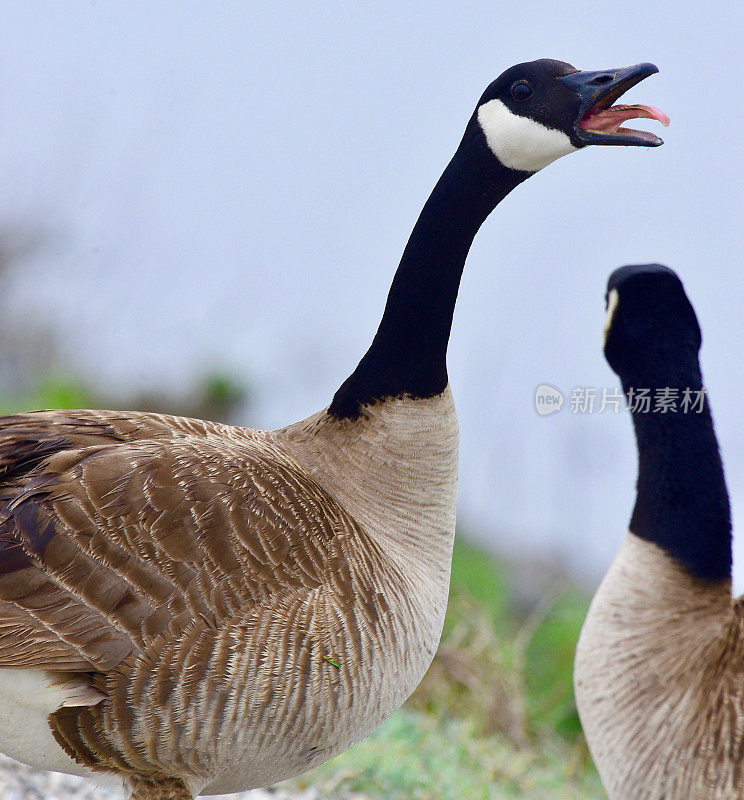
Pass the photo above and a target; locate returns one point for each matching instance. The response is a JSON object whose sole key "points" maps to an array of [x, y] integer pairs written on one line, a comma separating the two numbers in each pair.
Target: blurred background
{"points": [[202, 208]]}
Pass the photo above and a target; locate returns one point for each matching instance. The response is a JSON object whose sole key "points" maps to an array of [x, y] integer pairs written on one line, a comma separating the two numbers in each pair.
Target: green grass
{"points": [[52, 391], [418, 757], [511, 673], [549, 666], [484, 579], [214, 397]]}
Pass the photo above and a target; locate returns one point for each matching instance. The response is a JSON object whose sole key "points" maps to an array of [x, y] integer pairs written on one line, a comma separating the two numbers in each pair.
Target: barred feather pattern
{"points": [[659, 679], [233, 606]]}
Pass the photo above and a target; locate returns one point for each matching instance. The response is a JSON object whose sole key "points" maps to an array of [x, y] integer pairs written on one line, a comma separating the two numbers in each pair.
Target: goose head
{"points": [[651, 331], [541, 110]]}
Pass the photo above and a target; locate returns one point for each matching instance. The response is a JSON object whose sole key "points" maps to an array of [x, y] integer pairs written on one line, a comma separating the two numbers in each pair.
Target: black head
{"points": [[538, 111], [651, 331], [533, 90]]}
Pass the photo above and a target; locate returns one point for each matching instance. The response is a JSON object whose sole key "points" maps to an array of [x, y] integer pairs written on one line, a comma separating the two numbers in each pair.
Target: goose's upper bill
{"points": [[539, 111], [600, 121]]}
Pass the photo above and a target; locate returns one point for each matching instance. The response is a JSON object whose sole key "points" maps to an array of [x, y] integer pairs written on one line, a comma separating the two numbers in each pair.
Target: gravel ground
{"points": [[19, 782]]}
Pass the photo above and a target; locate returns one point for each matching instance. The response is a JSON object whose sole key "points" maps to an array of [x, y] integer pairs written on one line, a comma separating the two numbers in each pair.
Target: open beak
{"points": [[599, 122]]}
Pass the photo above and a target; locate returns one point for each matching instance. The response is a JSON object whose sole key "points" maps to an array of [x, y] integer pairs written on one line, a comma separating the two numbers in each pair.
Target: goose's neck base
{"points": [[394, 469], [657, 680]]}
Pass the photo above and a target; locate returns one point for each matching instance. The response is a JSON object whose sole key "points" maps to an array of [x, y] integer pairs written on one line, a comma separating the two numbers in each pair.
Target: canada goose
{"points": [[190, 607], [659, 671]]}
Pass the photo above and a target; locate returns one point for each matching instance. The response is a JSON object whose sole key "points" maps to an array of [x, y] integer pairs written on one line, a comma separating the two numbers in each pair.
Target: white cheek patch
{"points": [[520, 142], [612, 301]]}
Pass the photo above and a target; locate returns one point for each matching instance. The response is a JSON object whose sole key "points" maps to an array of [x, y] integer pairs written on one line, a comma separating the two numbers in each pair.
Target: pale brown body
{"points": [[196, 581], [659, 678]]}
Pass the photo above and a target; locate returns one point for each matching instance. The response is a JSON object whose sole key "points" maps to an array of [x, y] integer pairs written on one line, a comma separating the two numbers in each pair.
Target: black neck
{"points": [[408, 353], [682, 504]]}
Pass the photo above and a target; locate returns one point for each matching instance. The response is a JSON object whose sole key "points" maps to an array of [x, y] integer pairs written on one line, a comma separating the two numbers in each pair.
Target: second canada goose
{"points": [[659, 670], [190, 607]]}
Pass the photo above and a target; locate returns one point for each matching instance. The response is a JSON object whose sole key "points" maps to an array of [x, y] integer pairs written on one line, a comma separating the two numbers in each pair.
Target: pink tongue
{"points": [[610, 119]]}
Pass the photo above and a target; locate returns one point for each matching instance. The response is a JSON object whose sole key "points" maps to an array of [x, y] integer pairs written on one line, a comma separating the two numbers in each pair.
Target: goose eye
{"points": [[521, 91]]}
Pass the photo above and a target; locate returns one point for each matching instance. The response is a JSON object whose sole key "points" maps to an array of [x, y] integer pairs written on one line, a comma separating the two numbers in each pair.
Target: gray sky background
{"points": [[233, 184]]}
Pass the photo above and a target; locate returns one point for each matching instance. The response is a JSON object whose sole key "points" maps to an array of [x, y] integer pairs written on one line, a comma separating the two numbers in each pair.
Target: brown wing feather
{"points": [[117, 529]]}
